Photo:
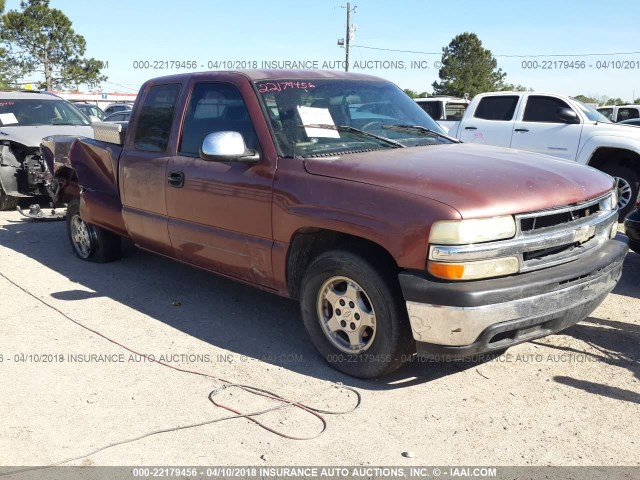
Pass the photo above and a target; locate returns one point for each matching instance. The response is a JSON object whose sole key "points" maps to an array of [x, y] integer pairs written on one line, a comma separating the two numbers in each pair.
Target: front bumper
{"points": [[461, 319]]}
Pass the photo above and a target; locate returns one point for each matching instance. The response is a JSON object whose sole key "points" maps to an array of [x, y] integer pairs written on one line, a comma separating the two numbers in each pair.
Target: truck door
{"points": [[542, 131], [491, 122], [220, 212], [143, 170]]}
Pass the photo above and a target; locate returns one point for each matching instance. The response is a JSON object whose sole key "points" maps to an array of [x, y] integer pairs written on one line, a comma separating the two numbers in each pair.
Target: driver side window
{"points": [[543, 109], [215, 107]]}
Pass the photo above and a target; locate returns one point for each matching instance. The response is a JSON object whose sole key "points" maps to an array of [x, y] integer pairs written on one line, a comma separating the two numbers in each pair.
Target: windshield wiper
{"points": [[350, 129], [419, 128]]}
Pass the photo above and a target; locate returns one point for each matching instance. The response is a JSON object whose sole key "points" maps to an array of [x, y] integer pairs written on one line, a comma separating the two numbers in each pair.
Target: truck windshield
{"points": [[330, 117], [33, 112]]}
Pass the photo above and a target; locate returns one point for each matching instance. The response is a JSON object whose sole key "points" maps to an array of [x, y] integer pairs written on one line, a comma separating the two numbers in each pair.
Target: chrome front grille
{"points": [[560, 216], [544, 238]]}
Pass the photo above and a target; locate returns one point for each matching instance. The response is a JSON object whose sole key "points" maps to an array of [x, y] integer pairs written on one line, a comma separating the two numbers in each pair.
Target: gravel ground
{"points": [[569, 399]]}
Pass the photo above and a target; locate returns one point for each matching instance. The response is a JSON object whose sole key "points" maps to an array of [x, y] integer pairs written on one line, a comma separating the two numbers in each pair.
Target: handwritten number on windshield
{"points": [[282, 86]]}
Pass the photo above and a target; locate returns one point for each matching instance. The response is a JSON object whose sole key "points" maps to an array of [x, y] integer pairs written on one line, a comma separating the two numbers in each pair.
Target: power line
{"points": [[503, 55], [123, 86]]}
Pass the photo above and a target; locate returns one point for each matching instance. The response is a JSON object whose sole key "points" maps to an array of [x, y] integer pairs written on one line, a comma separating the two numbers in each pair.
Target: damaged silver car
{"points": [[25, 119]]}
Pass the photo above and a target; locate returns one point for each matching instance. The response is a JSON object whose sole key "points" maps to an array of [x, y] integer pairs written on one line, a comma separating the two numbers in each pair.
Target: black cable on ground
{"points": [[285, 403]]}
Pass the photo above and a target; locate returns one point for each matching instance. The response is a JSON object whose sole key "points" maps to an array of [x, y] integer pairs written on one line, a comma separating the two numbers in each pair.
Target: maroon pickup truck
{"points": [[340, 191]]}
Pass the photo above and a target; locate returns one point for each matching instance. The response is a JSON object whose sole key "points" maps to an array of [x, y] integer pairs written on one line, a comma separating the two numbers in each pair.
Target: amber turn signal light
{"points": [[453, 271]]}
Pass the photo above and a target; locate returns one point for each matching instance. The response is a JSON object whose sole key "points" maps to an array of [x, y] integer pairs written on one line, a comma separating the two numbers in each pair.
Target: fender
{"points": [[607, 140], [401, 224]]}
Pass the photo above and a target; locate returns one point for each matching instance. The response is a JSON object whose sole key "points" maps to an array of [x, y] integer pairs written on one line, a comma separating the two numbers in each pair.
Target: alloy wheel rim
{"points": [[624, 192], [81, 236], [346, 315]]}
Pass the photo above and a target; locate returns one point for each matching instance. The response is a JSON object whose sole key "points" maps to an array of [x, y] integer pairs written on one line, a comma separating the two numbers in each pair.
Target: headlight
{"points": [[610, 202], [461, 232], [474, 270]]}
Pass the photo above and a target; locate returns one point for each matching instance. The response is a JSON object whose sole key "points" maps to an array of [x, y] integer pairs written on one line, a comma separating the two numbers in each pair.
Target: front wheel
{"points": [[355, 315], [90, 242]]}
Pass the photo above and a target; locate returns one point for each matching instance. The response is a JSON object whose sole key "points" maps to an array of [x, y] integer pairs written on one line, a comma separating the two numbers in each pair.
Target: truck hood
{"points": [[32, 136], [615, 130], [477, 180]]}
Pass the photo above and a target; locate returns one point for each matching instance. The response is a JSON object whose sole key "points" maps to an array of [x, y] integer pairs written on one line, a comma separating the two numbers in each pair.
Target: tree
{"points": [[637, 101], [414, 93], [467, 67], [83, 72], [41, 40], [586, 99], [5, 66], [9, 74], [615, 101], [510, 87]]}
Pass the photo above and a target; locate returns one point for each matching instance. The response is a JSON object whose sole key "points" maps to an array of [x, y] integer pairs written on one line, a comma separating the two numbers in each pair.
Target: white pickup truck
{"points": [[559, 126], [444, 109]]}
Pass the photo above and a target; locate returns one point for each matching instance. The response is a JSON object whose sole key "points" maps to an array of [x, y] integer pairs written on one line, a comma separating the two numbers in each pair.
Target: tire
{"points": [[340, 286], [628, 181], [7, 202], [90, 242]]}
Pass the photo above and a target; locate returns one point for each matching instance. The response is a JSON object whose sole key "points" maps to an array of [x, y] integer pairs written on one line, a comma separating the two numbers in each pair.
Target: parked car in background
{"points": [[443, 109], [25, 118], [395, 238], [634, 121], [90, 110], [117, 107], [559, 126], [121, 116], [620, 113]]}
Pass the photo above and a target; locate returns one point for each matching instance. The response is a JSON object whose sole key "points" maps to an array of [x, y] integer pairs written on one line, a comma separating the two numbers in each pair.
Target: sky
{"points": [[136, 35]]}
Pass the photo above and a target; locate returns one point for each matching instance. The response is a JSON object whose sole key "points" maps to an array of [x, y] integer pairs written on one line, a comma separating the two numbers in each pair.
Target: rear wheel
{"points": [[355, 315], [7, 202], [627, 181], [90, 242]]}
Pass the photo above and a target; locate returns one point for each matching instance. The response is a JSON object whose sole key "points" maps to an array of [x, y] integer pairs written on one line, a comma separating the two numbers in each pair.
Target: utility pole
{"points": [[347, 38], [346, 66]]}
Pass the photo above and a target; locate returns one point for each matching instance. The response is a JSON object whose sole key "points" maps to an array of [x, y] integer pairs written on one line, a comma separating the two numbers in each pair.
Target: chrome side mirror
{"points": [[226, 147]]}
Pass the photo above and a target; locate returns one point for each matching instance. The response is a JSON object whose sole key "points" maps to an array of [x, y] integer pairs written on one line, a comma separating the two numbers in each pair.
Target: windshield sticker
{"points": [[8, 118], [7, 104], [317, 116], [282, 86]]}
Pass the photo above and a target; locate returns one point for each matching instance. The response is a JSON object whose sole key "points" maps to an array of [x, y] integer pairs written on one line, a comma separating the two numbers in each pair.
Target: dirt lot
{"points": [[570, 399]]}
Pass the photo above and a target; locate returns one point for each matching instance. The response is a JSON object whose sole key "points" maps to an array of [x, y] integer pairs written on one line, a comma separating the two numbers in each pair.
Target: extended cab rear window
{"points": [[156, 117], [434, 109], [497, 108], [455, 111], [627, 114]]}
